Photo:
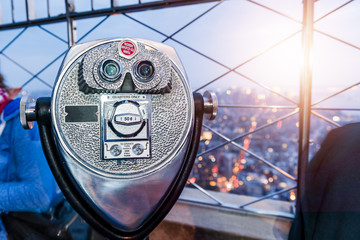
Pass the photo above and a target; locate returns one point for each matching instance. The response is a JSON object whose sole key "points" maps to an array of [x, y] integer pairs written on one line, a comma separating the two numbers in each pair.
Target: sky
{"points": [[230, 34]]}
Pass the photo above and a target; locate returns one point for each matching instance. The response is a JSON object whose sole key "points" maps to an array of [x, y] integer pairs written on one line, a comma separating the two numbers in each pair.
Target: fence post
{"points": [[305, 92]]}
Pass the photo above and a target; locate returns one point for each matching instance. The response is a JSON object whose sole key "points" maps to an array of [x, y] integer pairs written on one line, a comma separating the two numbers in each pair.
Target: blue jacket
{"points": [[26, 182]]}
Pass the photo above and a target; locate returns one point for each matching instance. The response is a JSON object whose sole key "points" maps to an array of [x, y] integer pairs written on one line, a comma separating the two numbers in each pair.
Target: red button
{"points": [[127, 48]]}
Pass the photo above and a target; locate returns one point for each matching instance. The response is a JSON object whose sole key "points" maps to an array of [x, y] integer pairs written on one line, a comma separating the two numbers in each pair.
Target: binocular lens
{"points": [[145, 70], [110, 69]]}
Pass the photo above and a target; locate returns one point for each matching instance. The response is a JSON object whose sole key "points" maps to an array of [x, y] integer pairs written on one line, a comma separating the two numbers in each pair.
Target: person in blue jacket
{"points": [[26, 182]]}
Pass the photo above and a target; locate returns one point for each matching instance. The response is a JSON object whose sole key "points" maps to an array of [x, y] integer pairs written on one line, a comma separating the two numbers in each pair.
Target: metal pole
{"points": [[48, 8], [71, 24], [12, 11], [30, 10], [1, 20], [27, 10], [305, 93], [144, 6]]}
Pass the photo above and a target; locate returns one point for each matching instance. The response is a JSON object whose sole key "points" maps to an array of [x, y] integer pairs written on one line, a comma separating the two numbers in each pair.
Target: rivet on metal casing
{"points": [[27, 112], [210, 105]]}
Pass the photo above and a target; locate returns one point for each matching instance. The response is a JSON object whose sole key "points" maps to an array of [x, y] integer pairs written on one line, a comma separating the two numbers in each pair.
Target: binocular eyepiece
{"points": [[126, 66], [121, 132]]}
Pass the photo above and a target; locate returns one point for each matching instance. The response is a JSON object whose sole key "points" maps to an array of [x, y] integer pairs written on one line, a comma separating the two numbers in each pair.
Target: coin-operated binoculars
{"points": [[121, 132]]}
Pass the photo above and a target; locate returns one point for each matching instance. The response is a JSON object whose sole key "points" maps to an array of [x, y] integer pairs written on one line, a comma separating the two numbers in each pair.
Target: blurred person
{"points": [[329, 207], [28, 190]]}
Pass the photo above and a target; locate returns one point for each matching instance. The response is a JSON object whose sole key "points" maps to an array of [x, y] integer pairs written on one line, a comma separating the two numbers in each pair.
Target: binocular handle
{"points": [[28, 111]]}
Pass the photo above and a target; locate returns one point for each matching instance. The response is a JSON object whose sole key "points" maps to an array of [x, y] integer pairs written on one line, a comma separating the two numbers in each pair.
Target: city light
{"points": [[230, 169], [212, 183], [292, 196], [261, 96], [206, 135], [336, 118]]}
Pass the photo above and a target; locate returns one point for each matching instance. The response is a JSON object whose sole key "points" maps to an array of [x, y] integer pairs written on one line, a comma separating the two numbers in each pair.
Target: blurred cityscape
{"points": [[229, 168]]}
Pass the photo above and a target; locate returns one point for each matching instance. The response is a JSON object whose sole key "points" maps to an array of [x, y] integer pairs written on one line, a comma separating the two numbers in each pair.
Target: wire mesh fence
{"points": [[249, 52]]}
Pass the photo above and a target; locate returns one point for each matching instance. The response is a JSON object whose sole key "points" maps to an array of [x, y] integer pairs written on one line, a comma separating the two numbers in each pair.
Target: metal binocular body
{"points": [[121, 132]]}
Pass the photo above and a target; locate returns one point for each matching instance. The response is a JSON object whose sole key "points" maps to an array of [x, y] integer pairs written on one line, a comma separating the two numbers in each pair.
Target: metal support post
{"points": [[30, 10], [1, 20], [71, 24], [305, 93]]}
